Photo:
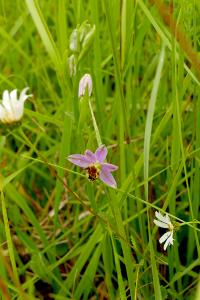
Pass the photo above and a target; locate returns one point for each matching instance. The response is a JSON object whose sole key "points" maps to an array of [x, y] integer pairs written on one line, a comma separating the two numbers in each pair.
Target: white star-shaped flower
{"points": [[164, 222], [11, 108]]}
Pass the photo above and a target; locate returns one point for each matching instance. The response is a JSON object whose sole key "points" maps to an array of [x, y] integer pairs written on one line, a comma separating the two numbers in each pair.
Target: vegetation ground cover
{"points": [[63, 236]]}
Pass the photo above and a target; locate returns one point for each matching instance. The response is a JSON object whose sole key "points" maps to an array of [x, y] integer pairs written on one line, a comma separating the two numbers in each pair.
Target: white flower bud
{"points": [[81, 39], [85, 85], [71, 65], [74, 41]]}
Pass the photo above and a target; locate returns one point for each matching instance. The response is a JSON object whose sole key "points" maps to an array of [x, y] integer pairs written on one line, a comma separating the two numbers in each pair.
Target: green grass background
{"points": [[61, 236]]}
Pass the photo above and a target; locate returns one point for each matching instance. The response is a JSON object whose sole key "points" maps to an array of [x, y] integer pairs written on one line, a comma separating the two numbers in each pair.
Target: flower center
{"points": [[171, 227], [93, 171]]}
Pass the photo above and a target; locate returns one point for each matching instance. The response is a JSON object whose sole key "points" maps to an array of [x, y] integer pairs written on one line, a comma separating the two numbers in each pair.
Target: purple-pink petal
{"points": [[79, 160], [107, 178], [90, 155], [101, 153], [109, 167]]}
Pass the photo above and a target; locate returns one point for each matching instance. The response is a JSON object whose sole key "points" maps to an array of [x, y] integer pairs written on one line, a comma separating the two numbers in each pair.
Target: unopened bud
{"points": [[89, 36], [85, 85], [81, 39], [74, 41], [71, 65]]}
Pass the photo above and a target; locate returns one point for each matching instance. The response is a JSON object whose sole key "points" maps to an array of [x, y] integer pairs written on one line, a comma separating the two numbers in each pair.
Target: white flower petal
{"points": [[164, 237], [13, 95], [23, 95], [168, 219], [6, 96], [19, 110], [164, 219], [161, 224], [6, 102], [2, 113], [168, 241], [171, 239]]}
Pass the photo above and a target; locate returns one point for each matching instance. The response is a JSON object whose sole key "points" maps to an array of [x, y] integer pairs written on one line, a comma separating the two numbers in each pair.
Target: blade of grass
{"points": [[85, 254], [87, 280], [108, 263], [147, 139], [35, 12], [121, 108], [163, 35], [122, 288], [9, 239], [128, 259]]}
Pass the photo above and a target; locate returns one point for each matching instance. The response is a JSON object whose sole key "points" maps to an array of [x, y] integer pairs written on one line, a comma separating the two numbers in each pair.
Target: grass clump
{"points": [[64, 236]]}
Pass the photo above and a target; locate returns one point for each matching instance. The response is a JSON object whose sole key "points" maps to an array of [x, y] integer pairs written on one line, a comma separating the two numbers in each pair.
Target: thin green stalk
{"points": [[9, 239], [108, 264], [97, 62], [117, 69], [122, 291], [175, 154], [116, 63], [64, 152], [62, 26], [128, 259], [123, 4], [96, 129], [147, 139], [66, 88], [164, 36], [37, 16], [121, 107]]}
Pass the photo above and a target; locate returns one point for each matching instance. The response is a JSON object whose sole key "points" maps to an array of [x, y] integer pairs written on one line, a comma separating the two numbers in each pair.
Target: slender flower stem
{"points": [[96, 129], [9, 239], [191, 222]]}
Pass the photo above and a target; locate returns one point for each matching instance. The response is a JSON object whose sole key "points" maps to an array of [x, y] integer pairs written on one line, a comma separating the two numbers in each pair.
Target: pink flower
{"points": [[95, 165]]}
